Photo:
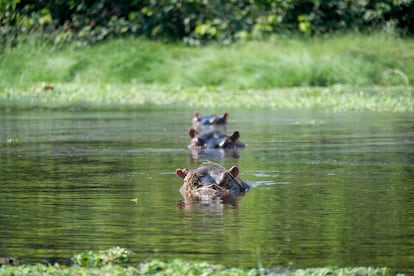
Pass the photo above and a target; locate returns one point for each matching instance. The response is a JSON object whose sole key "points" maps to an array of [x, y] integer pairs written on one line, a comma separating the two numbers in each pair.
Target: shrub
{"points": [[196, 21]]}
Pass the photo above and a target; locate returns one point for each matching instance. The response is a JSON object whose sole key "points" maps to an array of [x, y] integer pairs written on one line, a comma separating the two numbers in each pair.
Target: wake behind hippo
{"points": [[211, 181]]}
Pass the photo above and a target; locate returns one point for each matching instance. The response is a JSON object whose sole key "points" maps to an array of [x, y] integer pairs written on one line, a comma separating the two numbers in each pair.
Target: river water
{"points": [[328, 189]]}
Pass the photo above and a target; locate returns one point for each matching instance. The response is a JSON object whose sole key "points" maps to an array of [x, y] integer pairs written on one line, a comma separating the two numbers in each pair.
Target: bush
{"points": [[196, 21]]}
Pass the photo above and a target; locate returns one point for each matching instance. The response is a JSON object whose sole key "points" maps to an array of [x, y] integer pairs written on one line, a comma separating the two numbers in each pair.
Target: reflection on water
{"points": [[198, 153], [329, 189]]}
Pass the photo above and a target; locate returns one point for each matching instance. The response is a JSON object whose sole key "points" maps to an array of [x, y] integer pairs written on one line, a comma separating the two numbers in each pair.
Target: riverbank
{"points": [[339, 73], [114, 262], [331, 99], [180, 267]]}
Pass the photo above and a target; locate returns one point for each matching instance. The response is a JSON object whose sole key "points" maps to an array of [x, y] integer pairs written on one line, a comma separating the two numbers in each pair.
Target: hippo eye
{"points": [[194, 181], [198, 182], [227, 180], [200, 141]]}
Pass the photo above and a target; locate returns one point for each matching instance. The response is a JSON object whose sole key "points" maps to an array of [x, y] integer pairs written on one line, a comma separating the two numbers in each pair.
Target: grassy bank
{"points": [[110, 262], [180, 267], [331, 99], [347, 72]]}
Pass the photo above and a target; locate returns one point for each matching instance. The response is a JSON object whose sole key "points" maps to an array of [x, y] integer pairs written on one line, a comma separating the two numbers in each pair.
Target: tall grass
{"points": [[346, 72], [351, 59]]}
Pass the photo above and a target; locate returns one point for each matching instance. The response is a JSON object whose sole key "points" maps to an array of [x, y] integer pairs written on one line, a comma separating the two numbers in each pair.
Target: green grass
{"points": [[344, 72], [181, 267], [92, 96], [113, 262]]}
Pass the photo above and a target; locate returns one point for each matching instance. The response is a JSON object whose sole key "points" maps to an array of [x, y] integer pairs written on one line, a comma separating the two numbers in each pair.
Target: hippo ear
{"points": [[181, 173], [192, 132], [225, 115], [196, 116], [235, 136], [213, 120], [234, 171]]}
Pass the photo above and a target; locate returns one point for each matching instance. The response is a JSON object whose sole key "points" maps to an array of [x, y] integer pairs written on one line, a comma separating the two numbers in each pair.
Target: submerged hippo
{"points": [[210, 122], [215, 140], [211, 181], [209, 119]]}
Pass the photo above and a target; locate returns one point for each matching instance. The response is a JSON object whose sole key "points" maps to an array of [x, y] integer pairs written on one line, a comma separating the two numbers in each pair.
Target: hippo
{"points": [[212, 181], [210, 122], [215, 140], [210, 119]]}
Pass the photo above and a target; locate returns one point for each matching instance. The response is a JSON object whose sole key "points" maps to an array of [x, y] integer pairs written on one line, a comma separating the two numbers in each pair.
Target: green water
{"points": [[329, 189]]}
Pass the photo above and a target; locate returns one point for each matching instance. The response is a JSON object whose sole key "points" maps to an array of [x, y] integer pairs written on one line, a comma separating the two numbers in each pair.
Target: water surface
{"points": [[329, 189]]}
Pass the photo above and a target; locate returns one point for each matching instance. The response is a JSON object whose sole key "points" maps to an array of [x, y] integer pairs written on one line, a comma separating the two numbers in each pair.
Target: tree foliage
{"points": [[197, 21]]}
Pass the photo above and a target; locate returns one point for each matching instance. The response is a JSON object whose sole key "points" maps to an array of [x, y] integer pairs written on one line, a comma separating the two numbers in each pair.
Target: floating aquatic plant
{"points": [[115, 255]]}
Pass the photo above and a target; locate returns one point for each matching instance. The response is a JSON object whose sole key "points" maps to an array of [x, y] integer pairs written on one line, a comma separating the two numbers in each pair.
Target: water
{"points": [[329, 189]]}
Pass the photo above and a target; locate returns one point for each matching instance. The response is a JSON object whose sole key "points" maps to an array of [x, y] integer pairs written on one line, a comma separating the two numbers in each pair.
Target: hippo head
{"points": [[210, 119], [215, 139], [211, 181]]}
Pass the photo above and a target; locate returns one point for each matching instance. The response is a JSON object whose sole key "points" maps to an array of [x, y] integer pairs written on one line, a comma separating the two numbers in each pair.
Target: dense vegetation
{"points": [[197, 21], [352, 45]]}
